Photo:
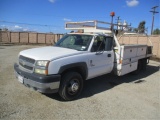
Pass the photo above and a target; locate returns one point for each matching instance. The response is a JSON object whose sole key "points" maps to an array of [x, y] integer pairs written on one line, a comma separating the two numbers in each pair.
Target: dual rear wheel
{"points": [[141, 66]]}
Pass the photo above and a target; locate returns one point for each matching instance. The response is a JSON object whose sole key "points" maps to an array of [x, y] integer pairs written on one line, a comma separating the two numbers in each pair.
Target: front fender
{"points": [[79, 66]]}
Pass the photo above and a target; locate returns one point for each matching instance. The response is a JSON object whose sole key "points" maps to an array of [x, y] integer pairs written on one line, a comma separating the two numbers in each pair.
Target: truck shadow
{"points": [[106, 82], [109, 81]]}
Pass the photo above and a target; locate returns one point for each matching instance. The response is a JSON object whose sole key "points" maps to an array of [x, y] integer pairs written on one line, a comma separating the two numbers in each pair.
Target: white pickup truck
{"points": [[76, 57]]}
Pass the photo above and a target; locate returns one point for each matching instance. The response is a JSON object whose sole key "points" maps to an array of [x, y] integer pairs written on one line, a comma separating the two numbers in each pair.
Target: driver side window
{"points": [[99, 44]]}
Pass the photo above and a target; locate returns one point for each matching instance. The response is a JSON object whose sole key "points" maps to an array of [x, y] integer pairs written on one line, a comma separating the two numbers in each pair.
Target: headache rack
{"points": [[90, 26]]}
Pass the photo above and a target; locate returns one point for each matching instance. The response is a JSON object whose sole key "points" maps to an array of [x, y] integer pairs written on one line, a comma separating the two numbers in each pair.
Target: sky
{"points": [[51, 15]]}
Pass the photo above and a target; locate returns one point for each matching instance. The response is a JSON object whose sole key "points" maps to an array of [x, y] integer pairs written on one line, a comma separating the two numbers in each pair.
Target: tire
{"points": [[139, 68], [71, 86], [144, 64]]}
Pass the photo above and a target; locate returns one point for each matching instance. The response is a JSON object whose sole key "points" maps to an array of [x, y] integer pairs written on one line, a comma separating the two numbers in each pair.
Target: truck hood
{"points": [[49, 53]]}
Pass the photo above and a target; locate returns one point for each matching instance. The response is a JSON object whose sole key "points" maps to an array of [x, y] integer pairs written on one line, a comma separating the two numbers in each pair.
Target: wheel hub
{"points": [[74, 87]]}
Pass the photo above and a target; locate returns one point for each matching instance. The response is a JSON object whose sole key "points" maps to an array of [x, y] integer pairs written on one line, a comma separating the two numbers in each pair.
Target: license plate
{"points": [[20, 79]]}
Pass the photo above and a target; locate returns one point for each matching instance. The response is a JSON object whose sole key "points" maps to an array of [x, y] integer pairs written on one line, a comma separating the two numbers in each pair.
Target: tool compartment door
{"points": [[141, 51], [129, 52], [128, 68]]}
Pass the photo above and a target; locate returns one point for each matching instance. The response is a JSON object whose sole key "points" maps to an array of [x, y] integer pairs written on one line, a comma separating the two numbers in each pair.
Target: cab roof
{"points": [[94, 34]]}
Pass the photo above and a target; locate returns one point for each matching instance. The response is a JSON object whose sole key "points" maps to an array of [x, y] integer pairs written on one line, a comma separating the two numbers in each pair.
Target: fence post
{"points": [[37, 38], [137, 39], [45, 37], [9, 34], [28, 37], [11, 37], [0, 36], [19, 36], [53, 39]]}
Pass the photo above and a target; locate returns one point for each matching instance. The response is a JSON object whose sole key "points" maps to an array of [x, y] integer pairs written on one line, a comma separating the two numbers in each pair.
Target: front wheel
{"points": [[71, 86]]}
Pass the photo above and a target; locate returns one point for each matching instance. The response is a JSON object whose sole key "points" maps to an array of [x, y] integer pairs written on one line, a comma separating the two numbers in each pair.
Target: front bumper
{"points": [[40, 83]]}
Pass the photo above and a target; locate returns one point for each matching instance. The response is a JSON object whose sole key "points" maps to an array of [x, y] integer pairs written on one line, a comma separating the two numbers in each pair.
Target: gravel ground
{"points": [[107, 97]]}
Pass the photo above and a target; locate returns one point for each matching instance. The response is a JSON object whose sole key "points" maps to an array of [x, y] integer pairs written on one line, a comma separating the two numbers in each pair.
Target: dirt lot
{"points": [[106, 97]]}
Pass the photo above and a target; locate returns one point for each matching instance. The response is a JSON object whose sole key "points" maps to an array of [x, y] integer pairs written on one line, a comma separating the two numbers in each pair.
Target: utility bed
{"points": [[126, 60]]}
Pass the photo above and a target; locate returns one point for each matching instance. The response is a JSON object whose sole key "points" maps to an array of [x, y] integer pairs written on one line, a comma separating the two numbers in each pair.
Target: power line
{"points": [[19, 26], [29, 24], [61, 16], [154, 12]]}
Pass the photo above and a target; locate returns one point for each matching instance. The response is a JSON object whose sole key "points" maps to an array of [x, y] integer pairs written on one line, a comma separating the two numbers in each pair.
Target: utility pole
{"points": [[118, 18], [154, 12]]}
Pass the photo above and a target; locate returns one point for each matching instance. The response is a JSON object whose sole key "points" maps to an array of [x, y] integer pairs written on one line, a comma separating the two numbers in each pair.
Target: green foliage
{"points": [[135, 30], [156, 32], [141, 27], [5, 29]]}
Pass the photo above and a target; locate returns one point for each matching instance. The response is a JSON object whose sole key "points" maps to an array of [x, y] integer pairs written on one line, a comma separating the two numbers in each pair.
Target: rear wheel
{"points": [[71, 86], [139, 68], [144, 64]]}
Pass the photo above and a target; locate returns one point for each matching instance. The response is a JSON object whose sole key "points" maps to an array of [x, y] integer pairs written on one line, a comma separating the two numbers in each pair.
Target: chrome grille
{"points": [[26, 63], [27, 59]]}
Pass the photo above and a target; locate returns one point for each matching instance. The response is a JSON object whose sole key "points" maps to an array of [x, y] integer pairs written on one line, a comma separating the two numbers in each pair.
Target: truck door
{"points": [[101, 57]]}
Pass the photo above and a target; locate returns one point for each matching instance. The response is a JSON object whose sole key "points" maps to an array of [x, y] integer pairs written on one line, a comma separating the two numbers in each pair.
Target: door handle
{"points": [[109, 55]]}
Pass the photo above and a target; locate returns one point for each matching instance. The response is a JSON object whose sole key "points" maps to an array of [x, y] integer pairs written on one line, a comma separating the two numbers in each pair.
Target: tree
{"points": [[135, 30], [141, 27], [156, 32], [5, 29]]}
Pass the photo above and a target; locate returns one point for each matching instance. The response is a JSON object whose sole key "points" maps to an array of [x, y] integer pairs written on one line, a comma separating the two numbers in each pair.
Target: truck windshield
{"points": [[75, 41]]}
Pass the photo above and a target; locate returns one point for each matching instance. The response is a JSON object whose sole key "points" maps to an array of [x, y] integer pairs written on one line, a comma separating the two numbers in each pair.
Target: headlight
{"points": [[41, 67], [41, 71], [42, 63]]}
